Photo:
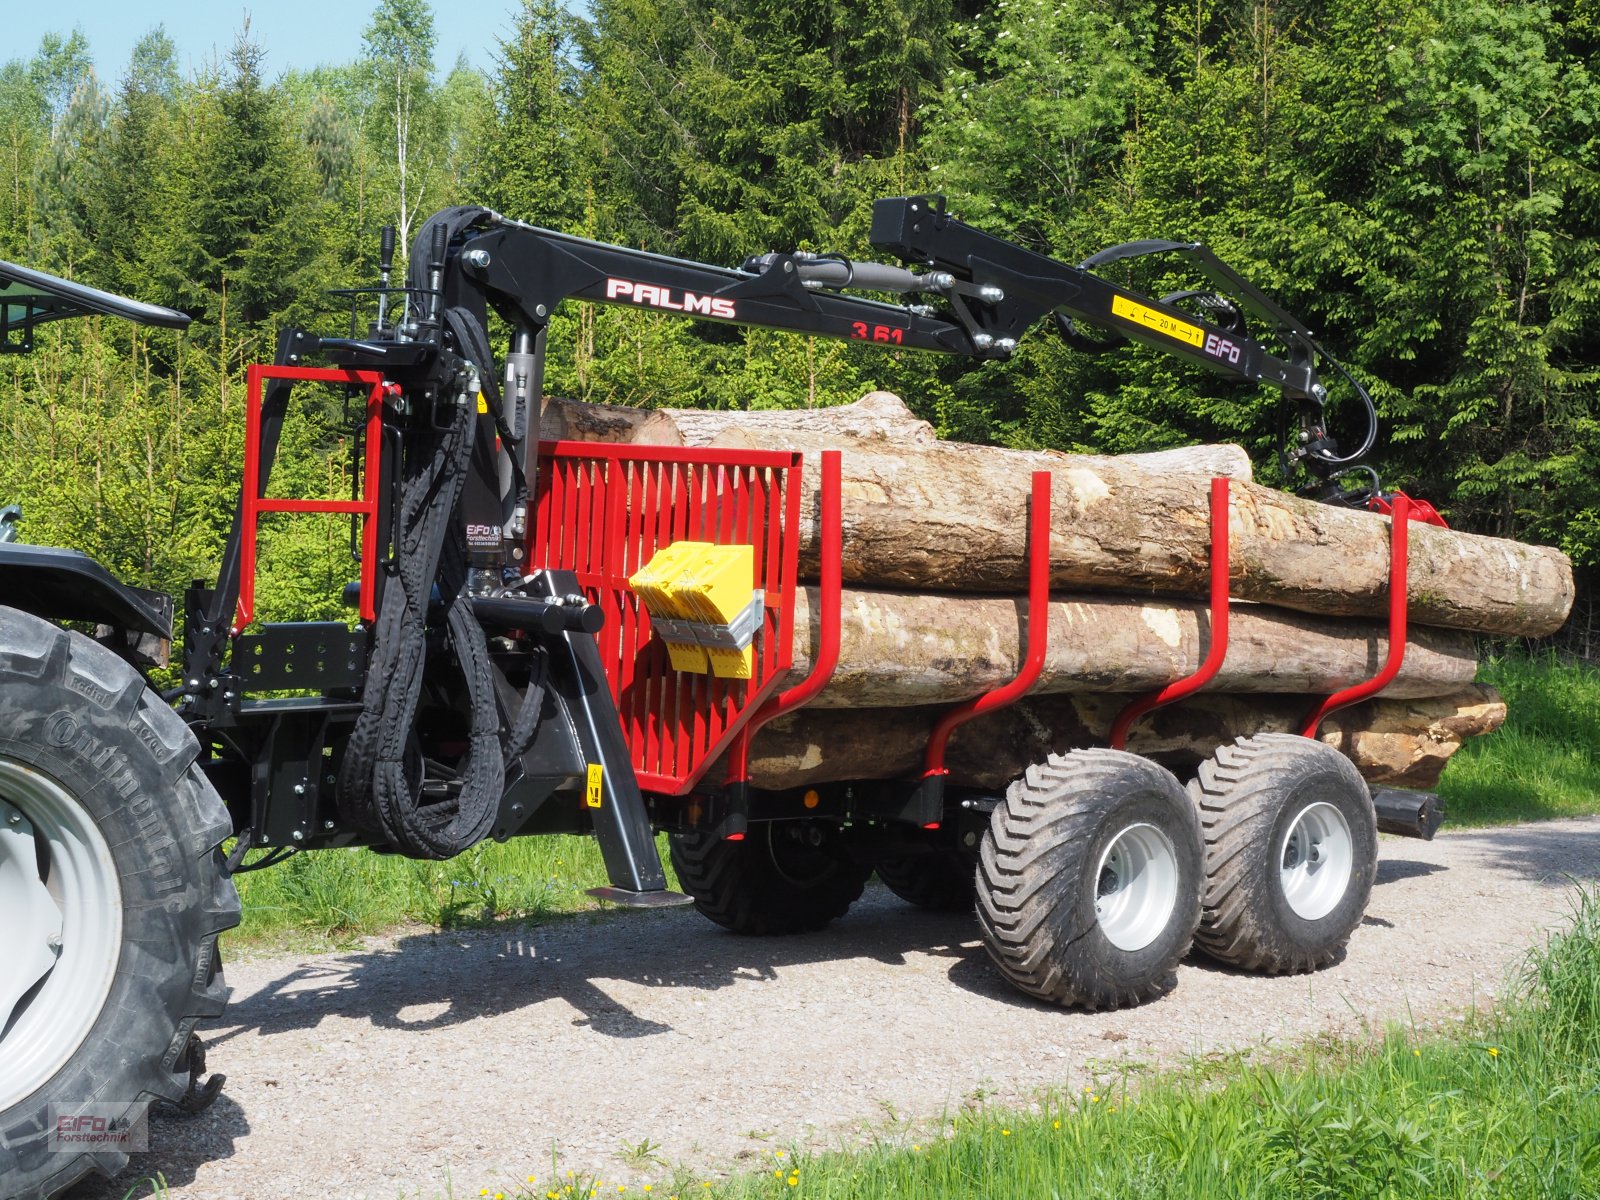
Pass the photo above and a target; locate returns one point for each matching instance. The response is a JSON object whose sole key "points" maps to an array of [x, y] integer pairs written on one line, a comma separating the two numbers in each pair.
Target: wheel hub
{"points": [[1316, 860], [61, 931], [1136, 887], [30, 935]]}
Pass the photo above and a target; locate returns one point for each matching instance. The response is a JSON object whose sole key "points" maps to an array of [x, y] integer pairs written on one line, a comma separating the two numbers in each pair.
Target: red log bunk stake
{"points": [[253, 503], [1399, 546], [832, 548], [933, 768], [1187, 686]]}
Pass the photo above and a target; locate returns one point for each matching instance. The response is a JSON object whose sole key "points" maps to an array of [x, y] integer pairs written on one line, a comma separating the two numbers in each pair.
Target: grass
{"points": [[331, 896], [1506, 1105], [1545, 761]]}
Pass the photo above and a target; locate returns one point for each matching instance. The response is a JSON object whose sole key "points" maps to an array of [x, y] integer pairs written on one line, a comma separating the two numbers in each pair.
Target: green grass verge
{"points": [[1545, 761], [327, 897], [1505, 1106]]}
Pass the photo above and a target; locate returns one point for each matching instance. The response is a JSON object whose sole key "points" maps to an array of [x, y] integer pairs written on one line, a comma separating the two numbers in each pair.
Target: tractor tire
{"points": [[772, 881], [1089, 880], [1291, 852], [113, 894], [941, 881]]}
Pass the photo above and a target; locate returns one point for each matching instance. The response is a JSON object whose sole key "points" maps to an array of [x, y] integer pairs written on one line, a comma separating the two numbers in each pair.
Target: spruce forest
{"points": [[1417, 180]]}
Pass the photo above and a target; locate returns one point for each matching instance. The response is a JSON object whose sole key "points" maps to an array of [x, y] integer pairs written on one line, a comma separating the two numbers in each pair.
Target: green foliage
{"points": [[1416, 181], [1545, 760]]}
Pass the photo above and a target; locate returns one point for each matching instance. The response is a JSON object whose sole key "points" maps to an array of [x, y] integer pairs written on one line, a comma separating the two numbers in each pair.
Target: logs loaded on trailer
{"points": [[932, 614]]}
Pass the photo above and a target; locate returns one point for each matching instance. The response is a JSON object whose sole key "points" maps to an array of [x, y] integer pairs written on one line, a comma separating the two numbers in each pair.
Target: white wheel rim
{"points": [[1315, 861], [1136, 887], [60, 932]]}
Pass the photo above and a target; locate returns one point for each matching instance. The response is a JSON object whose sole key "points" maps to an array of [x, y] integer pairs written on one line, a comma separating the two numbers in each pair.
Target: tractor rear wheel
{"points": [[782, 877], [1089, 880], [939, 881], [1291, 852], [112, 897]]}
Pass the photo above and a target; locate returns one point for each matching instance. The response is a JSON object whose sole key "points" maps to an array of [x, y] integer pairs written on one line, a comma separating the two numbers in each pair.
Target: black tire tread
{"points": [[734, 885], [51, 657], [1234, 793], [940, 881], [1037, 836]]}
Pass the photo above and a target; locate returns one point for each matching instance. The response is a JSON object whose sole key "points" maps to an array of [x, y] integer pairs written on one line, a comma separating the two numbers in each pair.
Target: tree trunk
{"points": [[899, 650], [952, 517], [561, 419], [1400, 743], [877, 415]]}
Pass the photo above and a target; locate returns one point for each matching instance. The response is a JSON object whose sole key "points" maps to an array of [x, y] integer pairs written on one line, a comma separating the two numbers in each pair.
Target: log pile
{"points": [[935, 565]]}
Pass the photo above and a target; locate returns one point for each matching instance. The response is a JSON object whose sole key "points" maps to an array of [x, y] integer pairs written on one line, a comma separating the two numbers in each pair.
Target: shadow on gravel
{"points": [[1393, 870], [1556, 857], [435, 980], [179, 1145]]}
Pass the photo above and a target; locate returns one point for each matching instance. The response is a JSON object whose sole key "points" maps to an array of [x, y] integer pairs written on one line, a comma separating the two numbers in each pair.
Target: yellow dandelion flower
{"points": [[777, 1174], [499, 1196], [1057, 1124], [777, 1154], [483, 1191], [793, 1182], [1416, 1054], [530, 1179], [916, 1147], [1093, 1099], [1494, 1052], [622, 1187], [1005, 1133]]}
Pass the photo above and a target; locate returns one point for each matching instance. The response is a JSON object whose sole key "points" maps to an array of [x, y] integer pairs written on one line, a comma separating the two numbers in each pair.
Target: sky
{"points": [[295, 33]]}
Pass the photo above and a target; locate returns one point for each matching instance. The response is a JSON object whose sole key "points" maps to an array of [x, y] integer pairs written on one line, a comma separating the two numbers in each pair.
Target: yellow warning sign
{"points": [[483, 405], [596, 783], [1151, 318]]}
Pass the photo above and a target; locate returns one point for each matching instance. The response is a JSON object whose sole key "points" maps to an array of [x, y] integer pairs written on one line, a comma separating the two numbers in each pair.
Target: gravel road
{"points": [[426, 1061]]}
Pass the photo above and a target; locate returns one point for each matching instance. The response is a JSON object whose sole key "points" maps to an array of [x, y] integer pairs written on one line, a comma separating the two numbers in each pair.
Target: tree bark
{"points": [[561, 419], [880, 416], [1399, 743], [899, 650], [951, 517]]}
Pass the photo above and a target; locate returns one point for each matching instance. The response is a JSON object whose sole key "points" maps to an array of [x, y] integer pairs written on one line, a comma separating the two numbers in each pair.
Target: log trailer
{"points": [[584, 638]]}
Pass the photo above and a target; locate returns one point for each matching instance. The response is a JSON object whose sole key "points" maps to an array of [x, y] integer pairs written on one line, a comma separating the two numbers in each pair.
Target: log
{"points": [[877, 416], [1398, 743], [898, 650], [952, 517], [561, 419], [880, 416]]}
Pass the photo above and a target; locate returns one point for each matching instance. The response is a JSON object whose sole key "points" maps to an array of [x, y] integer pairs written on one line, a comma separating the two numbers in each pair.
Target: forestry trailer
{"points": [[565, 637]]}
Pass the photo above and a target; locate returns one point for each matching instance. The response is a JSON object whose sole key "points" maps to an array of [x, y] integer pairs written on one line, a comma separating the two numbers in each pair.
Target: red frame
{"points": [[830, 587], [602, 511], [1038, 635], [253, 503], [1399, 552], [1218, 651]]}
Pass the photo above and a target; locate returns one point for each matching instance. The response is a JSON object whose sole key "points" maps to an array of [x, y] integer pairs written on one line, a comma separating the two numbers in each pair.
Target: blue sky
{"points": [[295, 33]]}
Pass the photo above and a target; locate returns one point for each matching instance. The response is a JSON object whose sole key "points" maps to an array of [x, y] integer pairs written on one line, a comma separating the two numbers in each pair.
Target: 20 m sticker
{"points": [[1155, 319]]}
